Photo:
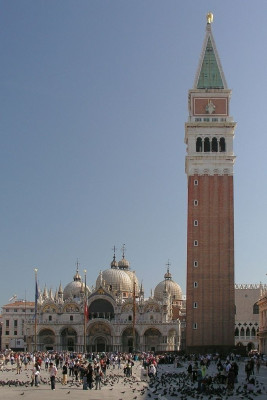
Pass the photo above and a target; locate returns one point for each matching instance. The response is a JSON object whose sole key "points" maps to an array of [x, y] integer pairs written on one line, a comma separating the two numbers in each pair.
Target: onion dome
{"points": [[169, 286], [75, 289], [115, 280], [114, 263], [77, 277], [123, 263]]}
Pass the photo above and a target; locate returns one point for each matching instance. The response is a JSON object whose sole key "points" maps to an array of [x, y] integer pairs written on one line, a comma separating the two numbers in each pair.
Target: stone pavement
{"points": [[120, 388]]}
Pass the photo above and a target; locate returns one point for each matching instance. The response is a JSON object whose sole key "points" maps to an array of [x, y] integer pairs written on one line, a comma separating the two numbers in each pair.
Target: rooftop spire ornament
{"points": [[209, 18]]}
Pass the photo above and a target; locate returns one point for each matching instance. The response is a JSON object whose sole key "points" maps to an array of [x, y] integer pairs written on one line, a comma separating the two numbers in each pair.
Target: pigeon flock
{"points": [[165, 385]]}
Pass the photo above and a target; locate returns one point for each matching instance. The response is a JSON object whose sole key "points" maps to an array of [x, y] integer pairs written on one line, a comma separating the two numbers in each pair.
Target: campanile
{"points": [[209, 135]]}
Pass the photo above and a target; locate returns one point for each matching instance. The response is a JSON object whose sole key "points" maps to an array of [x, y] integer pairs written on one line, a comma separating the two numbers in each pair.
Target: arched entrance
{"points": [[99, 338], [101, 308], [46, 339], [68, 339], [130, 341], [100, 344], [153, 339]]}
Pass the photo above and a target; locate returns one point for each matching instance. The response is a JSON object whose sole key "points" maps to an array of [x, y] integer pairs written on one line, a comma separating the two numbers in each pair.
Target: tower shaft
{"points": [[209, 135]]}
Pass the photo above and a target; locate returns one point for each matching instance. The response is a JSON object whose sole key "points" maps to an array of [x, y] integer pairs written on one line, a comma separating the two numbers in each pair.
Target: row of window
{"points": [[15, 322], [213, 119], [248, 332], [15, 333], [50, 318], [195, 263], [208, 145], [20, 310]]}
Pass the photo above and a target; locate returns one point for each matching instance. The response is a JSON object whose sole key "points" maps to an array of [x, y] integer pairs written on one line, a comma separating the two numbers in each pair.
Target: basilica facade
{"points": [[112, 315]]}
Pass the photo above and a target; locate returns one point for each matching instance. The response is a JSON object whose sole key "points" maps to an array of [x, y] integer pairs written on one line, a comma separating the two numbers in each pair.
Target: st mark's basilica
{"points": [[112, 315]]}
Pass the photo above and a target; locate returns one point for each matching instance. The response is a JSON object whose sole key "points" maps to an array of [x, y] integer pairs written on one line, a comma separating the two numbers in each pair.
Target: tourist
{"points": [[53, 374], [98, 375], [65, 374]]}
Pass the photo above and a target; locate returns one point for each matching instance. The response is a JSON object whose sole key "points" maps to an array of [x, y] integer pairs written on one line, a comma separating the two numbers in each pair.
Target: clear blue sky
{"points": [[93, 105]]}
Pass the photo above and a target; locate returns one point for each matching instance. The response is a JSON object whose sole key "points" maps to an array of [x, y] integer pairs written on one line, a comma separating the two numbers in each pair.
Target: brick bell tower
{"points": [[209, 135]]}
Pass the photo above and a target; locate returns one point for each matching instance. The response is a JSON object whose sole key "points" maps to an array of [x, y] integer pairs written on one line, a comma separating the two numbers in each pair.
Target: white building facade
{"points": [[111, 316]]}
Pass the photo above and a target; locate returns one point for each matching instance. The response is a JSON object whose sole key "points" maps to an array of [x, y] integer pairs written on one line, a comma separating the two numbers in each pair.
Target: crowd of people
{"points": [[89, 371]]}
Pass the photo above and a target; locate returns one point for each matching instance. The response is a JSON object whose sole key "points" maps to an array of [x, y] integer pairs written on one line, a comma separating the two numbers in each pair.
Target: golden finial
{"points": [[209, 18]]}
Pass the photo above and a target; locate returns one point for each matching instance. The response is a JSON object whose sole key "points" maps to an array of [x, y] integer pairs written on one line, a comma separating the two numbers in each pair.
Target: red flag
{"points": [[86, 311]]}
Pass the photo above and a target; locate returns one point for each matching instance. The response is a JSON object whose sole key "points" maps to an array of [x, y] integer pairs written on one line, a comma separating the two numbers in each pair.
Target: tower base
{"points": [[217, 349]]}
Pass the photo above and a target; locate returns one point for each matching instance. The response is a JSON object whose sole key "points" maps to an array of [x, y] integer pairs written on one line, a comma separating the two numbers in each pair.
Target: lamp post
{"points": [[134, 314], [85, 312], [35, 310]]}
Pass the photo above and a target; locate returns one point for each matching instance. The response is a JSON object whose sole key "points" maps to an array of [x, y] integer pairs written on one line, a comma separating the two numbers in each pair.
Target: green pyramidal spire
{"points": [[210, 74], [210, 77]]}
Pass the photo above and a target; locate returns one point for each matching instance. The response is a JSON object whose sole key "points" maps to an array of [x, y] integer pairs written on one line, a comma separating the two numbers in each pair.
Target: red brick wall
{"points": [[214, 295]]}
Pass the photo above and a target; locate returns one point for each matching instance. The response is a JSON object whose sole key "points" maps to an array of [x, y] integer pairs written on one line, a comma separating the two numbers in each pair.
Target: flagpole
{"points": [[35, 311], [85, 313], [134, 313]]}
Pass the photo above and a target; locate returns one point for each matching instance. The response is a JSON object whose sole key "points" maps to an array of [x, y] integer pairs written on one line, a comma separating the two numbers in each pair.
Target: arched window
{"points": [[247, 332], [222, 145], [253, 331], [255, 309], [199, 145], [206, 145], [236, 332], [214, 145], [242, 332]]}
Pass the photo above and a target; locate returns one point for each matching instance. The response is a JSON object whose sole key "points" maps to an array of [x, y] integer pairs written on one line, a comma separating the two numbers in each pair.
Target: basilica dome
{"points": [[75, 289], [170, 286], [133, 278], [115, 279]]}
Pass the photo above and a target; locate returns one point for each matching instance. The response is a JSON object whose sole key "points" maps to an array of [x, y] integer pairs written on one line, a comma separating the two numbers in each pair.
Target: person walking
{"points": [[89, 376], [65, 374], [98, 375], [53, 374]]}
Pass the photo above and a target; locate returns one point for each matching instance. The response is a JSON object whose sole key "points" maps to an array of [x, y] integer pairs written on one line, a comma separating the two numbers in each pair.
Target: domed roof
{"points": [[114, 263], [123, 263], [170, 286], [115, 279], [133, 278], [74, 288]]}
